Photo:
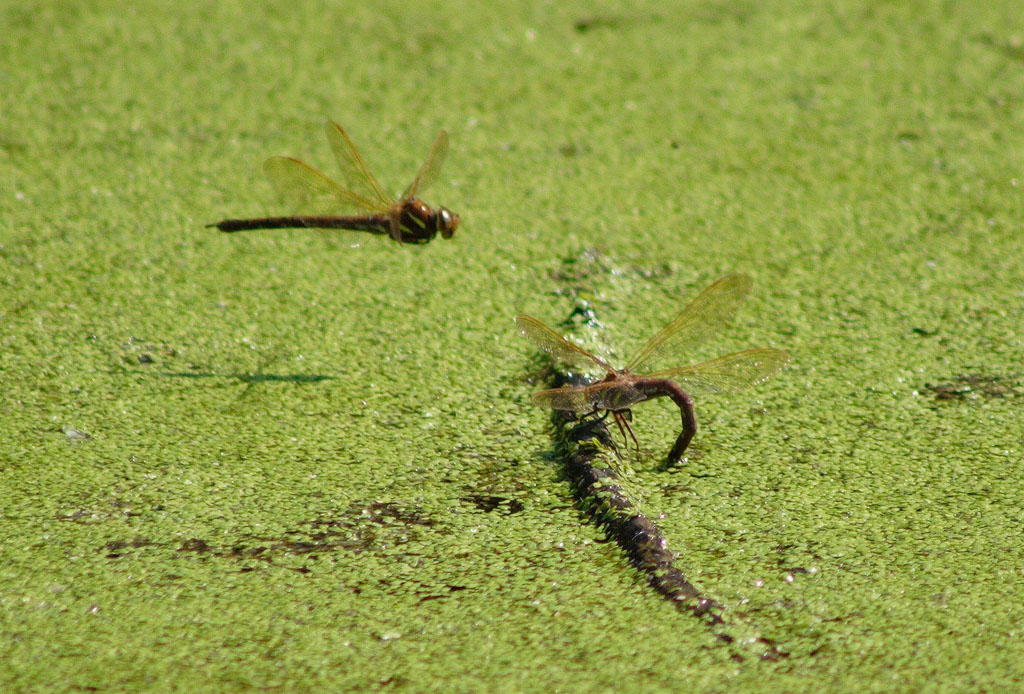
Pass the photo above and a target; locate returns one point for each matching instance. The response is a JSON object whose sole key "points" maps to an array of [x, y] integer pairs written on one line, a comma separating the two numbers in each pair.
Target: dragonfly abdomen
{"points": [[658, 387], [371, 223]]}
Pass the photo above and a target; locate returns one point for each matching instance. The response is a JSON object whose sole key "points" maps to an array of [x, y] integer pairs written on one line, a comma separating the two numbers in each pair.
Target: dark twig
{"points": [[600, 492]]}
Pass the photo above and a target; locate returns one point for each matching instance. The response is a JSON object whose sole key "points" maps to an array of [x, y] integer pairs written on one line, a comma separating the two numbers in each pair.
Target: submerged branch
{"points": [[585, 447]]}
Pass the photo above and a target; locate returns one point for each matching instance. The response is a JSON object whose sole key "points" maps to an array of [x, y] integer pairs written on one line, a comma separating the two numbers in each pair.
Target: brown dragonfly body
{"points": [[619, 391], [408, 219], [621, 388]]}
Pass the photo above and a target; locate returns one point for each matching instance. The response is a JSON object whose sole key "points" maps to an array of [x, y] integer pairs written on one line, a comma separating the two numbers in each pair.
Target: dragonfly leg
{"points": [[618, 423], [622, 419]]}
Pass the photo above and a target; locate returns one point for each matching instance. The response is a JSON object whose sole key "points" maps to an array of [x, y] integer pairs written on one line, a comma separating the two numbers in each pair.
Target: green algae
{"points": [[307, 461]]}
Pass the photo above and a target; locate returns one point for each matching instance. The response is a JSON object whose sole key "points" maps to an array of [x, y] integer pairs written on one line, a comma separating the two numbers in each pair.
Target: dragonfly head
{"points": [[447, 222]]}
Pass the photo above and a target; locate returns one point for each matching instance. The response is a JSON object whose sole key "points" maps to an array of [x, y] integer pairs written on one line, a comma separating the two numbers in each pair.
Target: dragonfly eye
{"points": [[447, 222]]}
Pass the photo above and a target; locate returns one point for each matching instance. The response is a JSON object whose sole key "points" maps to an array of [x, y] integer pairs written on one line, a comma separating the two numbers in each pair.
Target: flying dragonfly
{"points": [[620, 389], [371, 208]]}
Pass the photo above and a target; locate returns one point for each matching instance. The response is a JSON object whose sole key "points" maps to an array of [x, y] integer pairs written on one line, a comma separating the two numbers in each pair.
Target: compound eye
{"points": [[448, 223]]}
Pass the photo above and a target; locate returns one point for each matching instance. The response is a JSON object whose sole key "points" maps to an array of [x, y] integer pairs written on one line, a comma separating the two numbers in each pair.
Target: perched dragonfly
{"points": [[621, 388], [408, 220]]}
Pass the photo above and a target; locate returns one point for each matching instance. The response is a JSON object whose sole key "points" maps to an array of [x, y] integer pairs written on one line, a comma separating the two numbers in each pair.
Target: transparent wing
{"points": [[354, 171], [556, 345], [428, 172], [706, 315], [571, 398], [606, 395], [309, 190], [730, 373]]}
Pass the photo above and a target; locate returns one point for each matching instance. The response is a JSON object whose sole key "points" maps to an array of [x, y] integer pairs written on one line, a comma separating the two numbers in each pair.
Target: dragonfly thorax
{"points": [[419, 222]]}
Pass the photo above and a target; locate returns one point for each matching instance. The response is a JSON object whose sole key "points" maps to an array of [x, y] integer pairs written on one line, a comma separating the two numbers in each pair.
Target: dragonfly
{"points": [[369, 207], [620, 389]]}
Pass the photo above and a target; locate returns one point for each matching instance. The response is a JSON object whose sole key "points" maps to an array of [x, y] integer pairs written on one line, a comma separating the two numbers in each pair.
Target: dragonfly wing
{"points": [[309, 190], [609, 395], [556, 345], [570, 398], [428, 172], [729, 373], [354, 171], [711, 311]]}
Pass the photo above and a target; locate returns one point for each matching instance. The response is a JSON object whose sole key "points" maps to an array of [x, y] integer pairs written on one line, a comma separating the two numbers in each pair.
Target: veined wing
{"points": [[570, 398], [712, 310], [606, 395], [309, 190], [354, 171], [556, 345], [729, 373], [428, 172]]}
